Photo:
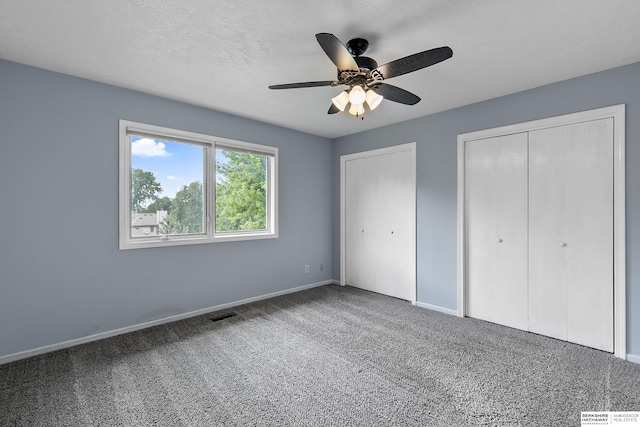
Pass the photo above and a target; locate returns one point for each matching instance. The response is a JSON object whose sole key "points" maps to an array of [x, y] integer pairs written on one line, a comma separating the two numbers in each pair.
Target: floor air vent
{"points": [[222, 317]]}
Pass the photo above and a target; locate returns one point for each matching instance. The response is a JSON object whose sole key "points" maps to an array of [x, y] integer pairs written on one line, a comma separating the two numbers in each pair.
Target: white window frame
{"points": [[210, 143]]}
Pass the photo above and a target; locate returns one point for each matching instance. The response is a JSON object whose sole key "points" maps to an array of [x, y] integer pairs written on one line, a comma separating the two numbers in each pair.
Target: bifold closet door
{"points": [[396, 195], [380, 194], [358, 243], [496, 228], [571, 233]]}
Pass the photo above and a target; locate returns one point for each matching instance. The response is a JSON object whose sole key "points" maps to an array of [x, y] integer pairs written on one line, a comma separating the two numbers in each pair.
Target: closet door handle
{"points": [[500, 240], [562, 244]]}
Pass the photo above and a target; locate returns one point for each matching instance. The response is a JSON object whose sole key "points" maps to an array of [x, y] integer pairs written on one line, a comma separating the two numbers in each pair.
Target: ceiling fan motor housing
{"points": [[365, 66], [366, 63], [356, 48]]}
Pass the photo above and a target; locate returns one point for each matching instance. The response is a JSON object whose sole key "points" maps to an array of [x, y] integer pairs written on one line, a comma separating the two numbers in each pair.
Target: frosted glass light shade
{"points": [[357, 95], [356, 110], [341, 100], [373, 99]]}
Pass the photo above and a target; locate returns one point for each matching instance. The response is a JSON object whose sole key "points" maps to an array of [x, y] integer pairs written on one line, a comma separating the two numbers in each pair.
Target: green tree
{"points": [[161, 204], [144, 189], [241, 196], [185, 212]]}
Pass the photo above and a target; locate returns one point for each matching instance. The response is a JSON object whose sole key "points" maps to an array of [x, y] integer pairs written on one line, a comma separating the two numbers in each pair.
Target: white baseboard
{"points": [[437, 308], [633, 358], [630, 357], [107, 334]]}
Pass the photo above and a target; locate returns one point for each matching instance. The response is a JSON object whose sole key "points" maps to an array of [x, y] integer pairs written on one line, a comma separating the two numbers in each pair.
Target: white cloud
{"points": [[171, 177], [146, 147]]}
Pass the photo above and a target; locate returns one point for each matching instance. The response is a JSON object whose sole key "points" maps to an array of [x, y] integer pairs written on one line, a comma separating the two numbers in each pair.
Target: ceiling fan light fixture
{"points": [[357, 95], [341, 100], [356, 110], [373, 99]]}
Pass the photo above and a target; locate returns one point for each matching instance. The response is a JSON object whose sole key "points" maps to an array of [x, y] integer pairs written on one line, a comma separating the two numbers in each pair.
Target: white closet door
{"points": [[360, 235], [370, 257], [395, 215], [496, 192], [379, 223], [571, 233]]}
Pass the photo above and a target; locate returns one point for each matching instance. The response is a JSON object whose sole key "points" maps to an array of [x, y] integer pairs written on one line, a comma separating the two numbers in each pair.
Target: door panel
{"points": [[396, 217], [571, 233], [548, 220], [496, 221], [361, 208], [354, 226]]}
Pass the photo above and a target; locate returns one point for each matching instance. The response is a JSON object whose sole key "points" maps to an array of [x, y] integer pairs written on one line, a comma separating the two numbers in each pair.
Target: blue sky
{"points": [[173, 164]]}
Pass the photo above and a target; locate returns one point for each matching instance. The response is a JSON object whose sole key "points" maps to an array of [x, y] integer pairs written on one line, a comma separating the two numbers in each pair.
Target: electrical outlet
{"points": [[321, 267], [306, 268]]}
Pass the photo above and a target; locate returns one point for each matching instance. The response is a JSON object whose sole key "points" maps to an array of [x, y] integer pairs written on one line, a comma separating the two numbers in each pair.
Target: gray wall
{"points": [[436, 137], [62, 276]]}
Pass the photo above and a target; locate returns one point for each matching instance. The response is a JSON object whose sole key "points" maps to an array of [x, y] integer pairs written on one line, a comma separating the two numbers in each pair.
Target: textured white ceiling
{"points": [[224, 54]]}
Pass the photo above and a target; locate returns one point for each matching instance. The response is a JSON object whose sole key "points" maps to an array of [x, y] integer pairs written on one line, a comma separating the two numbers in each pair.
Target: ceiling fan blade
{"points": [[395, 94], [337, 52], [333, 109], [303, 84], [414, 62]]}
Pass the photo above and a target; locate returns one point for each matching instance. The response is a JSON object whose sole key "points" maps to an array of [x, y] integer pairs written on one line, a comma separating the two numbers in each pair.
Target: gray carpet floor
{"points": [[328, 356]]}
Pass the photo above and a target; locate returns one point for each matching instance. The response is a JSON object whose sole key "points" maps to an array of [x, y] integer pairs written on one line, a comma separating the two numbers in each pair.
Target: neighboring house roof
{"points": [[147, 219], [144, 219]]}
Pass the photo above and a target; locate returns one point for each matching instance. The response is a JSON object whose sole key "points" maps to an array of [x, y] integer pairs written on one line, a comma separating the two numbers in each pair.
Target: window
{"points": [[179, 188]]}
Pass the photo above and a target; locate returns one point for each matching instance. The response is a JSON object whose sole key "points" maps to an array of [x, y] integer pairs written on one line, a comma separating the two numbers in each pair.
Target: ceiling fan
{"points": [[364, 77]]}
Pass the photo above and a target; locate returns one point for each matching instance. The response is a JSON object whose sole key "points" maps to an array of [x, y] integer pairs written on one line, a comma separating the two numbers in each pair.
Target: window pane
{"points": [[167, 195], [241, 191]]}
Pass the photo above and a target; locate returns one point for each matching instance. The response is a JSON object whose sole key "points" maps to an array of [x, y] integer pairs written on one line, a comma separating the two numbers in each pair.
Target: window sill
{"points": [[158, 242]]}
